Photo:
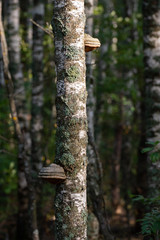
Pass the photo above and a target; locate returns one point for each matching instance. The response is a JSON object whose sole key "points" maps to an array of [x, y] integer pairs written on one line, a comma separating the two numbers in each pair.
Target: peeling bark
{"points": [[71, 137]]}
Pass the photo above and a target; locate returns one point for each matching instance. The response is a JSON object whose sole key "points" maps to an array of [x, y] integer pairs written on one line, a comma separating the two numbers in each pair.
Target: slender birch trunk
{"points": [[13, 40], [71, 138], [93, 224], [37, 107], [151, 16], [2, 82], [37, 87], [26, 8], [94, 169], [19, 95]]}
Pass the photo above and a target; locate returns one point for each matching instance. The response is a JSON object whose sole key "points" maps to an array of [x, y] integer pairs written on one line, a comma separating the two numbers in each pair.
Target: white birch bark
{"points": [[71, 139], [151, 11], [37, 117], [14, 50]]}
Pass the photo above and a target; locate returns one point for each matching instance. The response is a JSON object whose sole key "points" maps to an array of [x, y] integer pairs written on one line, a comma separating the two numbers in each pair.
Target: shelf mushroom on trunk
{"points": [[53, 174], [91, 43]]}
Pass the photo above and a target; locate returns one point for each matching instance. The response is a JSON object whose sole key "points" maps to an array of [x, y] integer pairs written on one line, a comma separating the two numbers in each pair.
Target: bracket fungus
{"points": [[53, 173], [91, 43]]}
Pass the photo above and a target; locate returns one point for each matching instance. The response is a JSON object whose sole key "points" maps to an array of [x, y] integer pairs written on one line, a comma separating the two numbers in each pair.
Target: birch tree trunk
{"points": [[94, 169], [93, 224], [37, 107], [26, 8], [2, 83], [19, 94], [71, 138], [151, 14]]}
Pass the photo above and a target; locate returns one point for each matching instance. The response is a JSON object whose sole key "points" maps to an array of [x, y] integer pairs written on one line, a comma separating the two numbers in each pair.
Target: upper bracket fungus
{"points": [[91, 43]]}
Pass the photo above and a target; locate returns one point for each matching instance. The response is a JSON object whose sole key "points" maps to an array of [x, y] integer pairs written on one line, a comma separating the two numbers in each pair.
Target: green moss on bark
{"points": [[59, 26], [73, 74], [72, 52]]}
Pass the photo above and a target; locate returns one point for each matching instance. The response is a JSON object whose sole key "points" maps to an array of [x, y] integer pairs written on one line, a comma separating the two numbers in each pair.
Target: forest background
{"points": [[123, 78]]}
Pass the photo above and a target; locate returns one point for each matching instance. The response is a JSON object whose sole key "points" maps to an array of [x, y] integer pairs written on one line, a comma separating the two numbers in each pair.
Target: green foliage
{"points": [[150, 223], [9, 180], [119, 76], [153, 151], [8, 149]]}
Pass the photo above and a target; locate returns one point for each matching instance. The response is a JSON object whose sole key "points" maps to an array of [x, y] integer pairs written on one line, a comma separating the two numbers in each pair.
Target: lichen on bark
{"points": [[71, 137]]}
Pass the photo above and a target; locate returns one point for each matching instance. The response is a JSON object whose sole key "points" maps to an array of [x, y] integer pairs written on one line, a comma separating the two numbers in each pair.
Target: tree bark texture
{"points": [[19, 95], [8, 80], [13, 39], [37, 87], [151, 14], [37, 107], [71, 137], [94, 168]]}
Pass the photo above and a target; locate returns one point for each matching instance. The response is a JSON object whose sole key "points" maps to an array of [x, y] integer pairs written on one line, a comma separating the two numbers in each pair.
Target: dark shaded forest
{"points": [[44, 74]]}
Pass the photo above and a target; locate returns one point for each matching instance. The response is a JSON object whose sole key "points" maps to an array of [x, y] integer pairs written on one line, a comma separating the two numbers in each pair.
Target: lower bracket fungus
{"points": [[53, 174]]}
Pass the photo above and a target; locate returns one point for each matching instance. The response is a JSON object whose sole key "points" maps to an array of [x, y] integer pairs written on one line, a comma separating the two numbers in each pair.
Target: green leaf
{"points": [[148, 149]]}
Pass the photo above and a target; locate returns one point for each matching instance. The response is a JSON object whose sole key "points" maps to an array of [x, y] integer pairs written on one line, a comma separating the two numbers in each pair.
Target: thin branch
{"points": [[5, 151], [48, 31], [7, 140]]}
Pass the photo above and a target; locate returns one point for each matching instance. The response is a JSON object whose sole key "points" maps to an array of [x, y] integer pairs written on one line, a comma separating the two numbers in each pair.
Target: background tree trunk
{"points": [[37, 107], [94, 168], [2, 82], [19, 94], [151, 14], [71, 137]]}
